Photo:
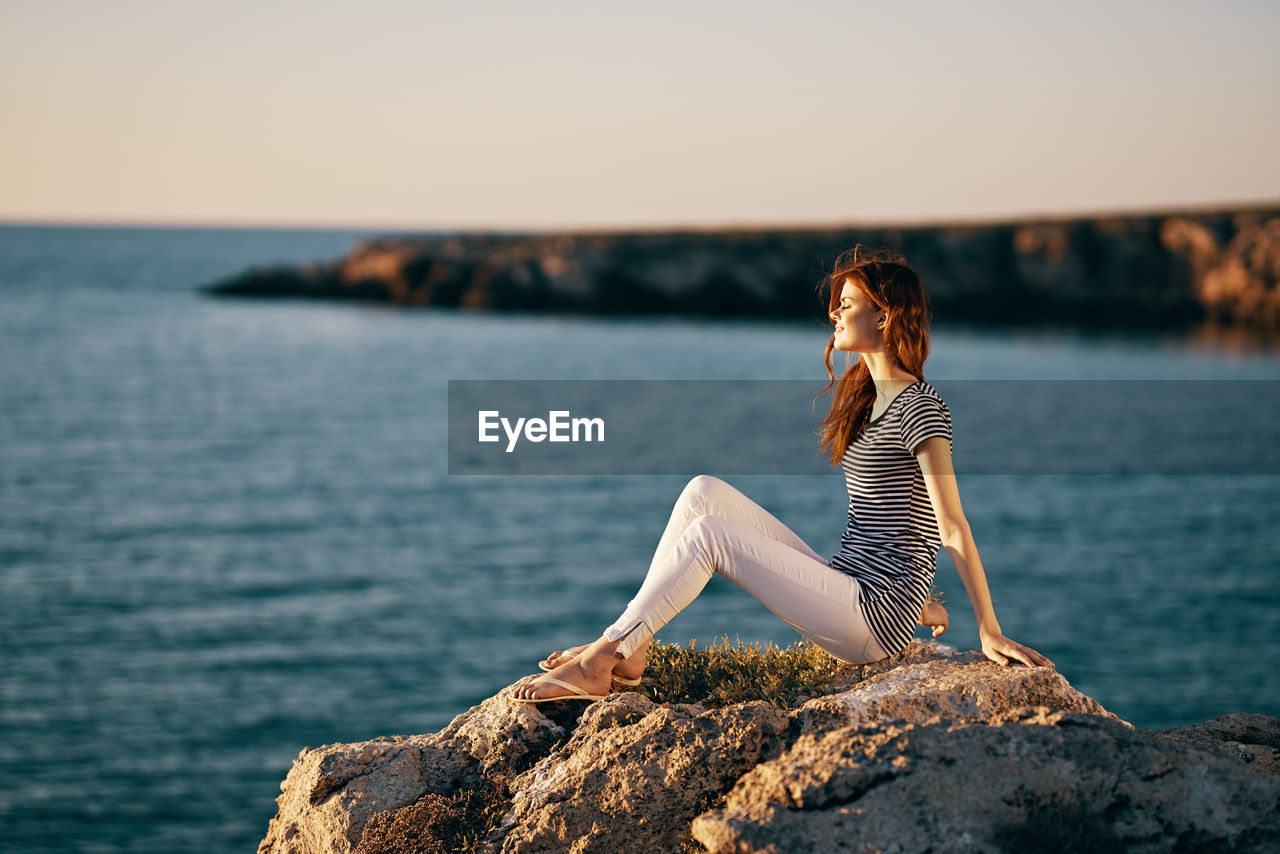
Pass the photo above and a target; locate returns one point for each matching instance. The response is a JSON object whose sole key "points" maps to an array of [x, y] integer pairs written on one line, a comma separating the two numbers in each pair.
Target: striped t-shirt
{"points": [[892, 541]]}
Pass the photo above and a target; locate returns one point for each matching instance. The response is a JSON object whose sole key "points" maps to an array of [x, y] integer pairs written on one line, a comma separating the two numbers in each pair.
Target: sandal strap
{"points": [[574, 688]]}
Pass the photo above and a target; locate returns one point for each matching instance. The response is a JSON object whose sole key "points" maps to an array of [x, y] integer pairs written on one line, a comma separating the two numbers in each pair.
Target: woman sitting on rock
{"points": [[891, 432]]}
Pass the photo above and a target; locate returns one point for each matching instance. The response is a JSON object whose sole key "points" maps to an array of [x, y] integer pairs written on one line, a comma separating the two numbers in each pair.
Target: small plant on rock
{"points": [[724, 673]]}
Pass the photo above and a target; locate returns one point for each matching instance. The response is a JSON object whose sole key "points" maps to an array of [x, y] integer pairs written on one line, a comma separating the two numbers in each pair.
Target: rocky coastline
{"points": [[1171, 270], [929, 749]]}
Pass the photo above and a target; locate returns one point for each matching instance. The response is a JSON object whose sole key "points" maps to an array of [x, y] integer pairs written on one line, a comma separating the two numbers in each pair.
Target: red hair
{"points": [[895, 288]]}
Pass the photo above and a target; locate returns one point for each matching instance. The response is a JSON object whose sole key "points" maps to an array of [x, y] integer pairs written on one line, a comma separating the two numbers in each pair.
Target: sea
{"points": [[228, 529]]}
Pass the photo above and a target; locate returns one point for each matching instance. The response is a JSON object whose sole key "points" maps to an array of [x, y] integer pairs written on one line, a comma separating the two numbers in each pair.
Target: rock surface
{"points": [[1157, 270], [1252, 739], [1062, 782], [922, 749], [964, 687]]}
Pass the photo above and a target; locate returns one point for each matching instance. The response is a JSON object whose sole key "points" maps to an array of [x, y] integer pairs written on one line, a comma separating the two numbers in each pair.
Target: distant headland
{"points": [[1169, 270]]}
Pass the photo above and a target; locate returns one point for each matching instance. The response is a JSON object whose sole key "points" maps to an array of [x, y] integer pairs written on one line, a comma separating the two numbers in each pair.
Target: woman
{"points": [[892, 434]]}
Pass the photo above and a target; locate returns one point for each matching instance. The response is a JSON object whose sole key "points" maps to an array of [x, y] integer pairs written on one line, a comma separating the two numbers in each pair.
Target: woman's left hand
{"points": [[1000, 649]]}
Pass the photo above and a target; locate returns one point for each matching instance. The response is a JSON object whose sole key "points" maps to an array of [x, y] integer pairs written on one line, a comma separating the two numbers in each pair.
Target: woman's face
{"points": [[855, 319]]}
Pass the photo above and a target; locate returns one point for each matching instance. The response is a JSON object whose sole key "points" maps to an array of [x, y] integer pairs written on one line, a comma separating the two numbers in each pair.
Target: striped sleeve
{"points": [[924, 417]]}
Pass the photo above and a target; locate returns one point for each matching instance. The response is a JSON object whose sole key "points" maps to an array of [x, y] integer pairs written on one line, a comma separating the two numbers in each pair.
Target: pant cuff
{"points": [[632, 632]]}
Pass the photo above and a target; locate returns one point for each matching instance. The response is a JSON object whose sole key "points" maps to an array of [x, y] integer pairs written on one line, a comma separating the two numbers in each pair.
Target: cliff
{"points": [[1165, 270], [927, 750]]}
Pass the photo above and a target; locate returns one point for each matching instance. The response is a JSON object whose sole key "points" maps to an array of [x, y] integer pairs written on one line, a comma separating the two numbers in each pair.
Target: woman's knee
{"points": [[700, 487], [702, 484]]}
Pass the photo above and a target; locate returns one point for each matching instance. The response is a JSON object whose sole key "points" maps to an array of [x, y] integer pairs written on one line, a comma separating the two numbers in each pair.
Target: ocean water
{"points": [[227, 530]]}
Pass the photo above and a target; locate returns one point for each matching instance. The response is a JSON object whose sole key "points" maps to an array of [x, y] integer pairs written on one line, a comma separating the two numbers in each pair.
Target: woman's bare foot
{"points": [[627, 668], [933, 614], [594, 680], [562, 656], [591, 670]]}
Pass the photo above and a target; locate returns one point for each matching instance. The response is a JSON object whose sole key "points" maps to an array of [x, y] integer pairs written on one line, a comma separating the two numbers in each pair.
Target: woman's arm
{"points": [[934, 456]]}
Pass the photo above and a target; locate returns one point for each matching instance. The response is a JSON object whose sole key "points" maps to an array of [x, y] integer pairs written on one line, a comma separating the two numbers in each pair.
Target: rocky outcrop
{"points": [[332, 791], [1156, 270], [935, 687], [1251, 739], [636, 788], [1059, 782], [926, 749]]}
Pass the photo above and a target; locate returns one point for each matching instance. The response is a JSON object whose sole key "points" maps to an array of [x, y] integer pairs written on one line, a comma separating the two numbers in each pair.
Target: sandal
{"points": [[578, 693], [631, 683]]}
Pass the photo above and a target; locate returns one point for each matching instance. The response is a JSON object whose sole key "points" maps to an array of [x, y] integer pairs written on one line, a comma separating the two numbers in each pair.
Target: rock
{"points": [[333, 790], [502, 737], [1167, 270], [928, 686], [927, 748], [637, 787], [1060, 782], [1251, 739], [1242, 283], [610, 787]]}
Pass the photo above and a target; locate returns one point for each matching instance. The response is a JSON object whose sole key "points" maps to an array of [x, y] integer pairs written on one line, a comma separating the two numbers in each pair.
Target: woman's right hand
{"points": [[933, 614], [1000, 649]]}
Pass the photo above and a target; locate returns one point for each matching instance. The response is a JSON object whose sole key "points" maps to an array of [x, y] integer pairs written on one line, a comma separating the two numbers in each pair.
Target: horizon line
{"points": [[1121, 211]]}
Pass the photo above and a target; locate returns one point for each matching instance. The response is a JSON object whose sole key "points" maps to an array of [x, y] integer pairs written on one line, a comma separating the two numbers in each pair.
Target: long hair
{"points": [[895, 288]]}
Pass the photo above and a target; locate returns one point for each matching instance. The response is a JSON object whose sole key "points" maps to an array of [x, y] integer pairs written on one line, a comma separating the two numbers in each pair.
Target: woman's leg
{"points": [[804, 591], [750, 547], [711, 496]]}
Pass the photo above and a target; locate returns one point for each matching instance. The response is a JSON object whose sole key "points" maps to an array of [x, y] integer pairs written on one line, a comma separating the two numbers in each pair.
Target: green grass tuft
{"points": [[723, 673]]}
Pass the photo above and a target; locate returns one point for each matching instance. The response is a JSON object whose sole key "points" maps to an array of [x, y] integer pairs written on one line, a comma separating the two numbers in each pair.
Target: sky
{"points": [[551, 115]]}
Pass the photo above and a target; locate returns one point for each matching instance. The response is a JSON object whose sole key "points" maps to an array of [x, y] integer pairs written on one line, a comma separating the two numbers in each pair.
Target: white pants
{"points": [[715, 528]]}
